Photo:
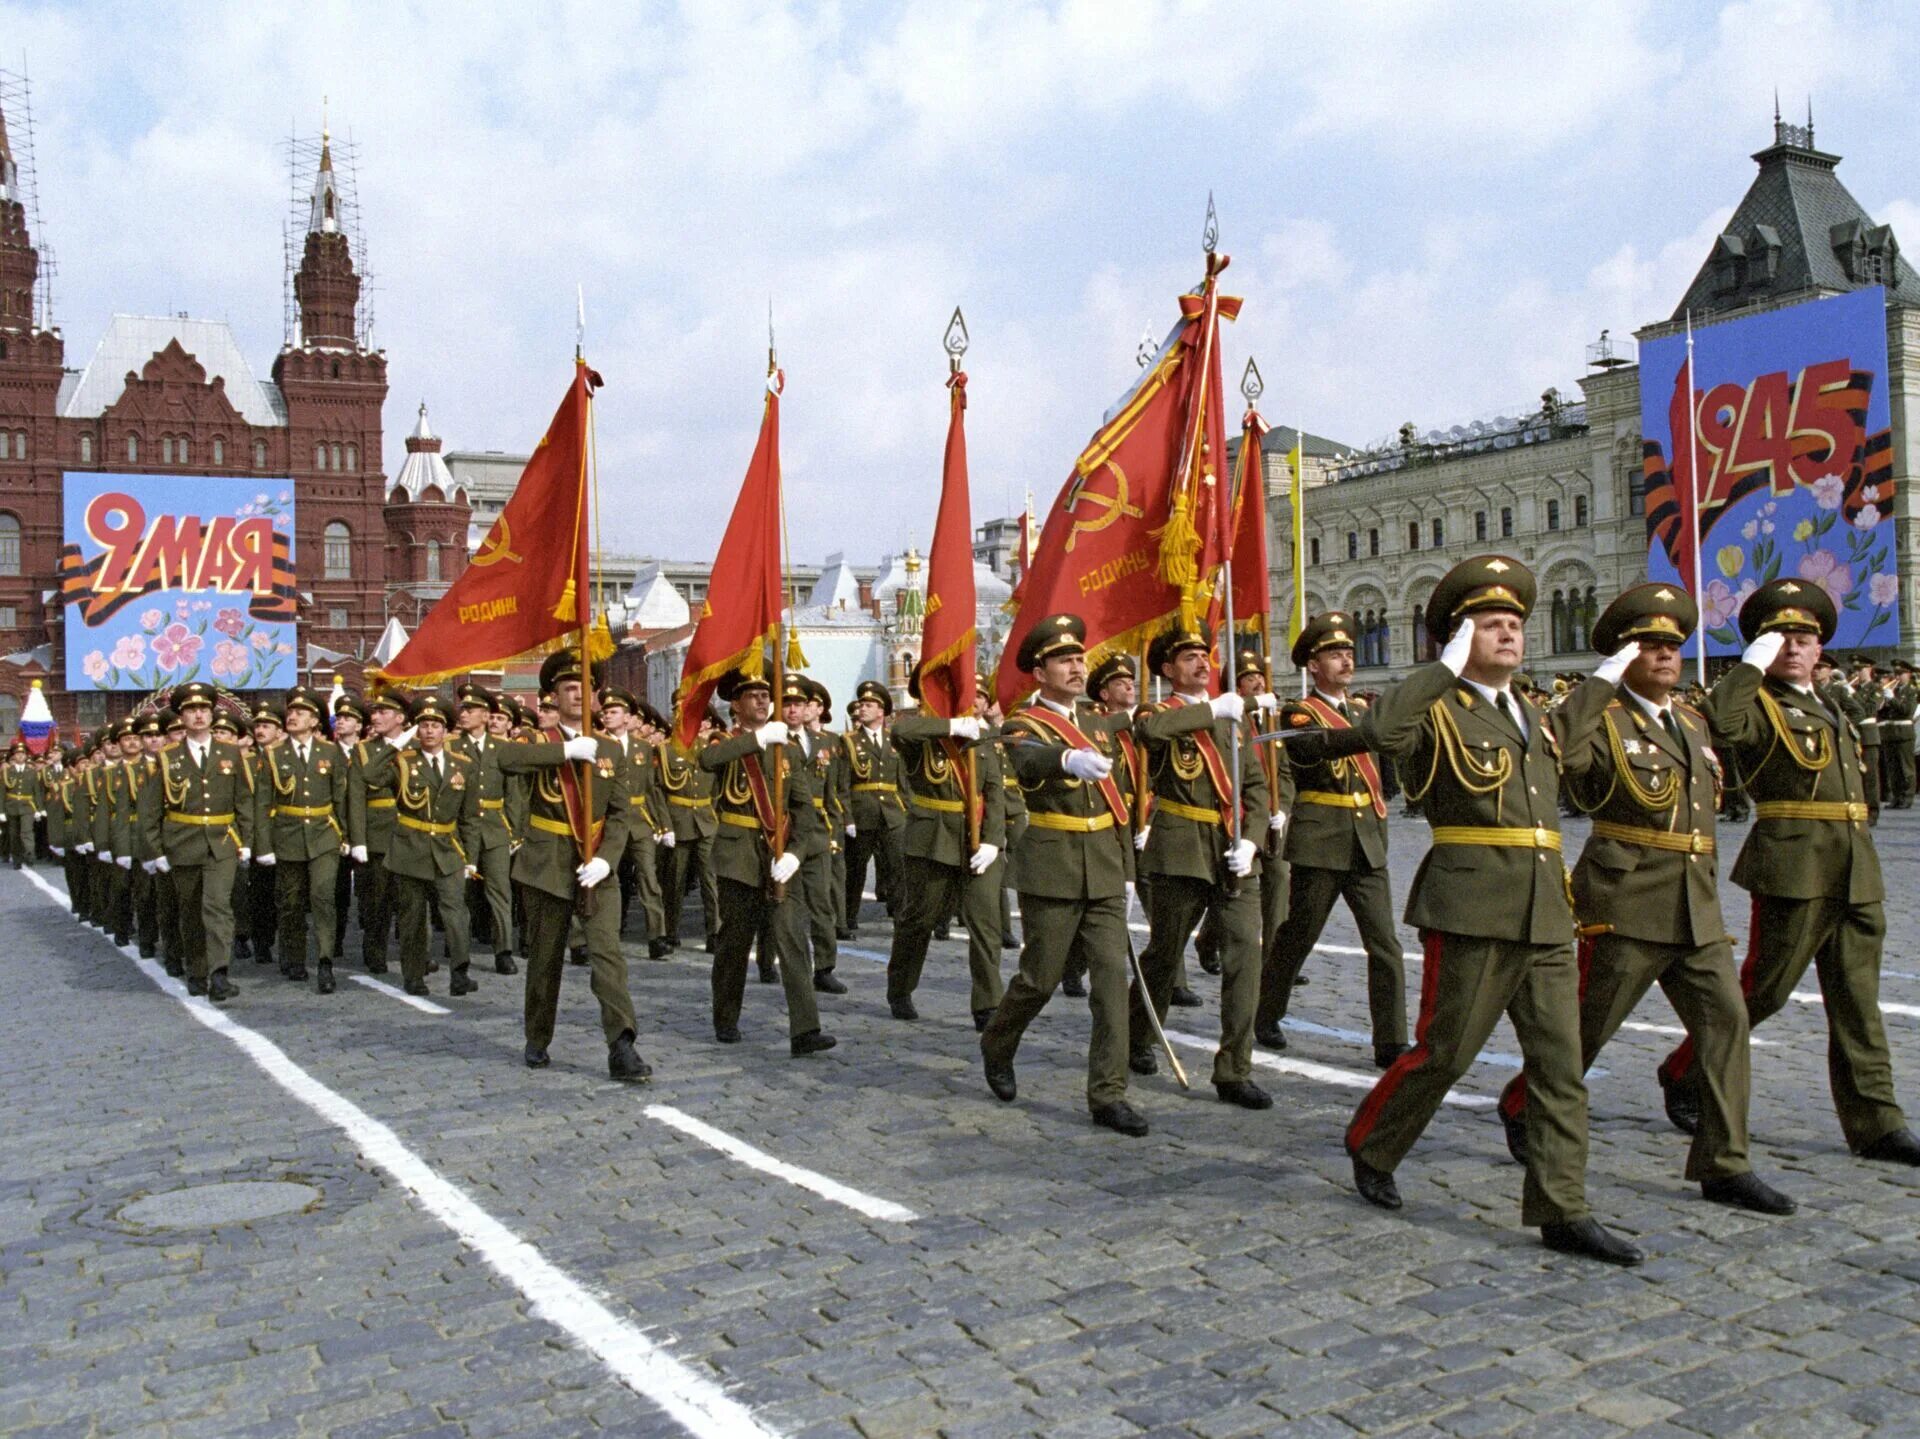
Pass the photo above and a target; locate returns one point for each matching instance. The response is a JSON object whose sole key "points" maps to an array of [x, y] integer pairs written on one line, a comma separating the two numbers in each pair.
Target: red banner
{"points": [[948, 633], [1247, 539]]}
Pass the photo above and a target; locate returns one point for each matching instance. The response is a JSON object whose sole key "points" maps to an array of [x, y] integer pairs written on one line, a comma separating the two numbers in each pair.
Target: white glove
{"points": [[162, 865], [581, 747], [1763, 651], [404, 738], [246, 855], [125, 861], [592, 872], [1277, 824], [1229, 707], [266, 860], [84, 847], [58, 853], [982, 858], [1615, 665], [1459, 648], [358, 854], [1266, 702], [786, 867], [106, 856], [771, 733], [472, 872], [1086, 764], [346, 850], [145, 864], [666, 839], [1140, 837], [39, 814], [852, 830], [1240, 858], [966, 727]]}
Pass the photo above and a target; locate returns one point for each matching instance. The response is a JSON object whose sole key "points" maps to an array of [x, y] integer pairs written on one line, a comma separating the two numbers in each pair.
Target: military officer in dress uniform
{"points": [[349, 719], [1336, 842], [1808, 861], [1071, 871], [1866, 690], [879, 817], [639, 875], [804, 700], [688, 790], [1490, 899], [1202, 852], [371, 812], [301, 825], [198, 812], [113, 827], [577, 803], [1645, 890], [491, 854], [20, 788], [949, 857], [436, 833], [1896, 735]]}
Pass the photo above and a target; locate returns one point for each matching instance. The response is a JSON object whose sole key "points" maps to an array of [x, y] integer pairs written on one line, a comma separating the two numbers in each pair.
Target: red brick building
{"points": [[176, 394]]}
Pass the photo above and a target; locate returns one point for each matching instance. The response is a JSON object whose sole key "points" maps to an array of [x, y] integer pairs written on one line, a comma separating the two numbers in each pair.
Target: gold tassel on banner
{"points": [[1179, 547], [566, 609], [796, 658]]}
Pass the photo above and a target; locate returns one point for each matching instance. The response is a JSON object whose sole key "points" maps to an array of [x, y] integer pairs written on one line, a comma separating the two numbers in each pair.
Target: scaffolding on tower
{"points": [[16, 103], [303, 164]]}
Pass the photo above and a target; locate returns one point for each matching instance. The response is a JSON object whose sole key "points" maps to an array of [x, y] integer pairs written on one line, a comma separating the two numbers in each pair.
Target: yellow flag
{"points": [[1297, 612]]}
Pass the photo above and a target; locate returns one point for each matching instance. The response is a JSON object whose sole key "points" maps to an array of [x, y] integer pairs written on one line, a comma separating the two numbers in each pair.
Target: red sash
{"points": [[576, 800], [1136, 776], [762, 796], [1067, 731], [1216, 768], [1369, 771]]}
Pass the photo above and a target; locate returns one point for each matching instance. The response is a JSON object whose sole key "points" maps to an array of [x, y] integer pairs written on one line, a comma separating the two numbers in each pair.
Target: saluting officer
{"points": [[491, 854], [879, 817], [1336, 842], [197, 812], [1071, 870], [301, 792], [1490, 899], [689, 794], [1896, 734], [1808, 862], [1646, 895]]}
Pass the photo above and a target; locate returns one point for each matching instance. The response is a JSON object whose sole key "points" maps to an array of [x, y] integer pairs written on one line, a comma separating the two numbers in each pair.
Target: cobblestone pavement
{"points": [[1016, 1271]]}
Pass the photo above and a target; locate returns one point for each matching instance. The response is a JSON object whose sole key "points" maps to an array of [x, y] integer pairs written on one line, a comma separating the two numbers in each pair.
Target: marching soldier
{"points": [[1115, 693], [577, 804], [1255, 685], [349, 718], [1490, 899], [113, 827], [142, 888], [1866, 690], [879, 817], [1071, 871], [1202, 853], [437, 791], [1808, 861], [63, 829], [301, 828], [756, 855], [638, 873], [85, 796], [689, 794], [197, 811], [1336, 842], [262, 895], [371, 815], [156, 733], [20, 798], [1645, 890], [950, 856], [802, 704], [1896, 735], [490, 893]]}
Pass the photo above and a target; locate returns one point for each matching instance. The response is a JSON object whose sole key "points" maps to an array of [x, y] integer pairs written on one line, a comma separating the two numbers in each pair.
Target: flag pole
{"points": [[1693, 465], [1209, 241], [582, 581], [778, 756], [955, 343]]}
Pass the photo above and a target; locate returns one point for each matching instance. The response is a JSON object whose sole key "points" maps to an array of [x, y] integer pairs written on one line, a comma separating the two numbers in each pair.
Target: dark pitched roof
{"points": [[1281, 439], [1797, 229]]}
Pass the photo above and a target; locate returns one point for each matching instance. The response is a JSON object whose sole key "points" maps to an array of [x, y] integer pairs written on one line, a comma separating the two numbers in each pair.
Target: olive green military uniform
{"points": [[688, 791], [82, 797], [113, 815], [639, 872], [20, 797], [936, 874], [1866, 715], [198, 813], [492, 850], [1490, 901], [301, 792], [878, 816], [1814, 875], [437, 822], [371, 811], [145, 887], [1896, 738], [815, 879]]}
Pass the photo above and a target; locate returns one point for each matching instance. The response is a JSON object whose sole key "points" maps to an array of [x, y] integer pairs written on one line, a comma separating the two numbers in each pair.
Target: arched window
{"points": [[433, 561], [336, 457], [133, 449], [353, 457], [19, 444], [86, 449], [339, 552], [1553, 514], [1580, 515], [184, 450], [166, 449], [219, 450], [9, 544], [1383, 642], [1636, 491], [1589, 612], [1560, 628], [319, 457], [259, 454]]}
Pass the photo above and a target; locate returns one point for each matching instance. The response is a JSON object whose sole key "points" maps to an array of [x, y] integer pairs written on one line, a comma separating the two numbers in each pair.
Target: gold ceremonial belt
{"points": [[493, 804], [387, 803], [1332, 800], [743, 821], [1833, 809], [1187, 811], [1498, 836], [876, 787], [407, 821], [940, 806], [212, 821], [554, 826], [689, 803], [1653, 838], [298, 811], [1072, 823], [820, 804]]}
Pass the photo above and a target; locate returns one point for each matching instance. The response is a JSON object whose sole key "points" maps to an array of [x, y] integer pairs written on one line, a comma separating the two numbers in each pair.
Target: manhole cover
{"points": [[204, 1205]]}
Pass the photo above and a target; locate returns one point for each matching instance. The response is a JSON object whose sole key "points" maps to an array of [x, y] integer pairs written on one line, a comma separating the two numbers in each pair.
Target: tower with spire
{"points": [[19, 261], [427, 513]]}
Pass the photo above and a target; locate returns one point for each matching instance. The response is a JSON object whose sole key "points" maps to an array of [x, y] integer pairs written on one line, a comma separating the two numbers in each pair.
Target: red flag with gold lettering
{"points": [[948, 633], [520, 593], [1247, 536], [741, 613]]}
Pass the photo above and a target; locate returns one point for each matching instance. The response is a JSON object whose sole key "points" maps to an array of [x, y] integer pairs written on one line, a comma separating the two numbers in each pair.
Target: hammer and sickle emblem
{"points": [[497, 546], [1110, 507]]}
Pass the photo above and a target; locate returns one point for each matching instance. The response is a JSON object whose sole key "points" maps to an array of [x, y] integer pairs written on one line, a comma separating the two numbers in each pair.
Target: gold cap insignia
{"points": [[1499, 567]]}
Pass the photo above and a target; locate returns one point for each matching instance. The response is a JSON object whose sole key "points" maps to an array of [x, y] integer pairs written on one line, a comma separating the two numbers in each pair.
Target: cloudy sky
{"points": [[1431, 208]]}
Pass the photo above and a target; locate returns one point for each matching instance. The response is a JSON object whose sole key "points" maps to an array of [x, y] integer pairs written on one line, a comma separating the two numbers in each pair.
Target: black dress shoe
{"points": [[726, 1033], [1899, 1147], [812, 1042], [659, 948], [769, 975], [1121, 1118], [1269, 1036], [1300, 980], [841, 933], [461, 982], [827, 982], [433, 966], [1590, 1239], [535, 1058], [219, 988], [1243, 1092], [1209, 959], [1385, 1054], [577, 955], [1683, 1106], [942, 932], [1008, 941], [502, 963], [1000, 1080], [1143, 1061], [417, 988], [323, 981], [148, 951], [1376, 1186], [981, 1019], [262, 954], [903, 1009], [624, 1062], [242, 949], [376, 965], [1074, 987], [176, 968], [1184, 998], [196, 986], [713, 944], [1515, 1127], [1747, 1191], [298, 974]]}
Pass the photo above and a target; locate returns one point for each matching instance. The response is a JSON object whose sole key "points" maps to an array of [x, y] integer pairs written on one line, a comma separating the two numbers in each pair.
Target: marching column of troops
{"points": [[207, 835]]}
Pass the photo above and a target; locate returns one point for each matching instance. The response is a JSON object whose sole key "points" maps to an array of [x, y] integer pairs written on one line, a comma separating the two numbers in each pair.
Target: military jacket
{"points": [[1074, 847], [818, 757], [302, 804], [198, 813], [936, 790], [1896, 713], [1803, 770], [58, 789], [111, 810], [436, 816], [138, 772], [494, 831], [688, 792], [873, 780], [81, 798], [644, 817], [1339, 820], [371, 808], [1189, 833], [1649, 869], [743, 850], [1493, 800], [549, 859], [21, 789]]}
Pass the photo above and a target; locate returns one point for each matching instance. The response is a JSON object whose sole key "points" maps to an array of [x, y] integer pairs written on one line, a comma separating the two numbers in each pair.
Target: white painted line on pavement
{"points": [[1325, 1073], [1887, 1006], [819, 1184], [425, 1006], [699, 1404], [1679, 1033]]}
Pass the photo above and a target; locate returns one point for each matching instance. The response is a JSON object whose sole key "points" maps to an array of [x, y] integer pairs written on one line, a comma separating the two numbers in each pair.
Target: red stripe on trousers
{"points": [[1368, 1114], [1679, 1064]]}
